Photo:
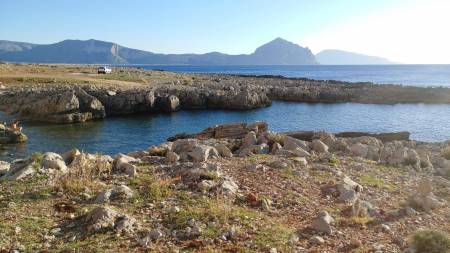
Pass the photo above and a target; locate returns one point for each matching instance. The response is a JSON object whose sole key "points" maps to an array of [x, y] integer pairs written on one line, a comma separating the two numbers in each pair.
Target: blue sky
{"points": [[175, 26]]}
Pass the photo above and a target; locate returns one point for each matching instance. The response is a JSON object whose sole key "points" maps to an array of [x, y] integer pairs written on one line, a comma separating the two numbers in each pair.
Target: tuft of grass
{"points": [[431, 241], [151, 188], [85, 173], [445, 152], [371, 180]]}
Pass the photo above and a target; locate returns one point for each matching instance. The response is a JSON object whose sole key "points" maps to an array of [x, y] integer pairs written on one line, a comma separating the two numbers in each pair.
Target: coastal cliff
{"points": [[82, 97]]}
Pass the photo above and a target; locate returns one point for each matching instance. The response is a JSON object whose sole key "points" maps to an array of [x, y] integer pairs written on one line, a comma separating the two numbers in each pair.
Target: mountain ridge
{"points": [[276, 52]]}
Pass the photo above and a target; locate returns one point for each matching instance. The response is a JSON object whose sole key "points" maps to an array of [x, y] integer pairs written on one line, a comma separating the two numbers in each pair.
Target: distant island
{"points": [[339, 57], [275, 52]]}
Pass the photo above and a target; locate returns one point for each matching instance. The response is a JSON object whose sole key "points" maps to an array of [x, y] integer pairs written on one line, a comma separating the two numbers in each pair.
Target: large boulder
{"points": [[53, 161], [124, 164], [201, 153], [291, 143], [348, 190], [322, 223], [318, 146]]}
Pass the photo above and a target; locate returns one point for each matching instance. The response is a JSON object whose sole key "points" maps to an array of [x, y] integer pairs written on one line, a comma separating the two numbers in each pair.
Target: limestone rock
{"points": [[229, 187], [172, 157], [322, 223], [70, 156], [54, 161], [4, 167], [292, 144], [224, 151], [249, 139], [349, 190], [121, 192], [318, 146], [21, 168], [201, 153]]}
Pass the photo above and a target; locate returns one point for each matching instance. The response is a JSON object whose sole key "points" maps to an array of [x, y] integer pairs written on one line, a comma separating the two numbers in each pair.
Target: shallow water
{"points": [[124, 134]]}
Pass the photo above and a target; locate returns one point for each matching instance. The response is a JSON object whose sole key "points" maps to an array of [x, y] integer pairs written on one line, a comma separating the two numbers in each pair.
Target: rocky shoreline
{"points": [[236, 187], [66, 103]]}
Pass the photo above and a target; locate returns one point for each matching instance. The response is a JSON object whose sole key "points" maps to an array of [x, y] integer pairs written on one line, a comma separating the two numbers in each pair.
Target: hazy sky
{"points": [[407, 31]]}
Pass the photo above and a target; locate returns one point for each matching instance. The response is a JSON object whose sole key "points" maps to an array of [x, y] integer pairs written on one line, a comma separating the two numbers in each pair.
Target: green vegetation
{"points": [[374, 181]]}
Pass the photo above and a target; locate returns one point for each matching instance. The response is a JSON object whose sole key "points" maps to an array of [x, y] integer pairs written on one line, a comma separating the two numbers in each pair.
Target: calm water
{"points": [[124, 134], [418, 75]]}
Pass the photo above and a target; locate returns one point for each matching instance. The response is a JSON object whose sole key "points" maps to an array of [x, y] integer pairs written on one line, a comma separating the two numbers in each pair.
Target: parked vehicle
{"points": [[104, 70]]}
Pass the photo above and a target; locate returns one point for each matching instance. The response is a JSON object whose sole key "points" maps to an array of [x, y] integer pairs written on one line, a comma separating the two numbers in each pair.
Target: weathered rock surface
{"points": [[322, 223], [11, 136]]}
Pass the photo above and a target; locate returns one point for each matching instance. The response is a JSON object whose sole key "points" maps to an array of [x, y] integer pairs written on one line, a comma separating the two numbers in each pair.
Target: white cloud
{"points": [[416, 33]]}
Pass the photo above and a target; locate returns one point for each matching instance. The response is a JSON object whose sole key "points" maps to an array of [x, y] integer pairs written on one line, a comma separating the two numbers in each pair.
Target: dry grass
{"points": [[84, 173]]}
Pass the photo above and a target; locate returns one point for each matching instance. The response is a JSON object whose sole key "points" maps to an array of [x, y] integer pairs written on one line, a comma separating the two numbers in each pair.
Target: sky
{"points": [[404, 31]]}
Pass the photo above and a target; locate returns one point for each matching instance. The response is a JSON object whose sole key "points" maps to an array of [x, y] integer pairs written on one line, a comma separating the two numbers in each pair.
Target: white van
{"points": [[104, 70]]}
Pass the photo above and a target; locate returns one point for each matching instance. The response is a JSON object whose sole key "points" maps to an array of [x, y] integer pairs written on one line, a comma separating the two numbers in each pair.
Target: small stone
{"points": [[317, 240], [322, 223]]}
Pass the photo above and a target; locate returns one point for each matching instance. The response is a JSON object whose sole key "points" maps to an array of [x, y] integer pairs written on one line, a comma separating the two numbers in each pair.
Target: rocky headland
{"points": [[233, 188], [66, 94]]}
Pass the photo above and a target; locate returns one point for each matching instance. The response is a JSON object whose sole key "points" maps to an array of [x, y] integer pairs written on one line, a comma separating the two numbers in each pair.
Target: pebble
{"points": [[317, 240]]}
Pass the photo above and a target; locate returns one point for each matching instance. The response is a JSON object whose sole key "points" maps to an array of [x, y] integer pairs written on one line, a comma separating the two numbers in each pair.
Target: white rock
{"points": [[318, 146], [322, 223]]}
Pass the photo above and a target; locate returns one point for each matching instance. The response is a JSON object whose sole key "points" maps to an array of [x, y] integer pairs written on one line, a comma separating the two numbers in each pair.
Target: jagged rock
{"points": [[206, 185], [327, 138], [201, 171], [253, 149], [362, 208], [300, 161], [322, 223], [249, 140], [100, 218], [201, 153], [121, 192], [124, 164], [359, 149], [349, 190], [21, 168], [11, 136], [275, 147], [184, 145], [172, 157], [168, 103], [423, 198], [224, 151], [70, 156], [54, 161], [229, 187], [292, 144], [318, 146]]}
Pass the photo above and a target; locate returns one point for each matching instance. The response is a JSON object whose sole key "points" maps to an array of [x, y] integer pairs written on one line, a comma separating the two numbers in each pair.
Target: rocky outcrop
{"points": [[11, 136], [56, 104]]}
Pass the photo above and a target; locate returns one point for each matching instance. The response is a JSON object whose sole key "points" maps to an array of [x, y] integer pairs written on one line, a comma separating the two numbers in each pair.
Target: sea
{"points": [[425, 122]]}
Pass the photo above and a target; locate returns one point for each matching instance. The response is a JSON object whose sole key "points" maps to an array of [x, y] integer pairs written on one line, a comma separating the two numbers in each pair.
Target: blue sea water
{"points": [[124, 134], [426, 122], [417, 75]]}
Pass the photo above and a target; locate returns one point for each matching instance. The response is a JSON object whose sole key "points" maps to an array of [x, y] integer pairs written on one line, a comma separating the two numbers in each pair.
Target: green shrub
{"points": [[431, 241]]}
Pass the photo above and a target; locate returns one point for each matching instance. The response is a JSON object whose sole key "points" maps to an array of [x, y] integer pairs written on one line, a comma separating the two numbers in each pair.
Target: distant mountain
{"points": [[12, 46], [339, 57], [276, 52]]}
